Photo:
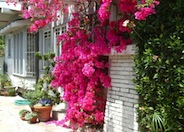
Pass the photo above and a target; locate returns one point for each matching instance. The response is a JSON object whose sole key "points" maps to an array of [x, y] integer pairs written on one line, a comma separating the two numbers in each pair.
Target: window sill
{"points": [[22, 76]]}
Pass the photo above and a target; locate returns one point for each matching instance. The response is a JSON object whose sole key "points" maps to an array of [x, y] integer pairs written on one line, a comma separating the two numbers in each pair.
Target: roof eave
{"points": [[12, 27]]}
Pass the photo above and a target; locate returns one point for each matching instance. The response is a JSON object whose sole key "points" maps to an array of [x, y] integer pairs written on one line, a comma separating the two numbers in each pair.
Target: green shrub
{"points": [[11, 92], [159, 67]]}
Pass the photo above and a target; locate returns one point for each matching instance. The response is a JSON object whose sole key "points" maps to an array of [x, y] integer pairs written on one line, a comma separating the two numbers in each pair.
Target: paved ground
{"points": [[10, 121]]}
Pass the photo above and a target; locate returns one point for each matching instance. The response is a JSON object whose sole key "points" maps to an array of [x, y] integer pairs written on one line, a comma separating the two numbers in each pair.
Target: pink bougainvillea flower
{"points": [[127, 6], [88, 69], [155, 57], [156, 2], [124, 26], [104, 11], [144, 13], [99, 116], [26, 14], [33, 28]]}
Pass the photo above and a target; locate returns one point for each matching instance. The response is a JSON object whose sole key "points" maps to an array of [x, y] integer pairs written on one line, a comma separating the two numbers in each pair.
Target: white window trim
{"points": [[43, 47], [58, 46], [18, 53], [31, 45]]}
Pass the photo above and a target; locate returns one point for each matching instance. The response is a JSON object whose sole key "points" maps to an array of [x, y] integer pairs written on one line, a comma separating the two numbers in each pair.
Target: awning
{"points": [[14, 26]]}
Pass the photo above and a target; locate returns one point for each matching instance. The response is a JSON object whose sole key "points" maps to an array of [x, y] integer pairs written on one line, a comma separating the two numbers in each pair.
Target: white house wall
{"points": [[120, 113], [17, 80], [23, 82]]}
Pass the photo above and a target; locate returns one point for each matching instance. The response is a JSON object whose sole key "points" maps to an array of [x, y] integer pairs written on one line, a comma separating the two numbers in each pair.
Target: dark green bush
{"points": [[159, 67]]}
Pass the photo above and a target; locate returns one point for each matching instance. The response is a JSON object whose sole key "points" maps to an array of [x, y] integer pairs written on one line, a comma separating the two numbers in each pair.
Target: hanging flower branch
{"points": [[82, 68]]}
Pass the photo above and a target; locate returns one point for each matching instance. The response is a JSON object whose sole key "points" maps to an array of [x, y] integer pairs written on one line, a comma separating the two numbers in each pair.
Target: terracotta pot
{"points": [[33, 120], [43, 112], [22, 118]]}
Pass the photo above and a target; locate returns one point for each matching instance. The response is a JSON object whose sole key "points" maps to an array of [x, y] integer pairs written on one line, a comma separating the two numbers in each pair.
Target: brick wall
{"points": [[120, 115]]}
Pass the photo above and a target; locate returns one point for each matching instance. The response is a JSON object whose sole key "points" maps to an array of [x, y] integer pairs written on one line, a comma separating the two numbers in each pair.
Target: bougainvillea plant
{"points": [[82, 68]]}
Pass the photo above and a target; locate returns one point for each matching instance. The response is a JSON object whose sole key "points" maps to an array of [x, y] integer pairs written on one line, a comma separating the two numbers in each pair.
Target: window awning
{"points": [[14, 26]]}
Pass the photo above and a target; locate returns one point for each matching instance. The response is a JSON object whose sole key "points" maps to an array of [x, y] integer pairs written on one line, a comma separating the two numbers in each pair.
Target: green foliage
{"points": [[4, 80], [2, 45], [43, 88], [30, 115], [23, 112], [157, 122], [159, 67], [11, 92]]}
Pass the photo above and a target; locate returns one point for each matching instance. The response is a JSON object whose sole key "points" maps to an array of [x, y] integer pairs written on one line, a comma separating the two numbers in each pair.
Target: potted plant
{"points": [[11, 92], [44, 96], [5, 85], [43, 108], [4, 80], [22, 113], [41, 101], [31, 117]]}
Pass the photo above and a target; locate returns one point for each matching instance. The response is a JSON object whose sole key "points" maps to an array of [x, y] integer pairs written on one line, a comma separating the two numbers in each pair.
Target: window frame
{"points": [[43, 46], [58, 31], [30, 54]]}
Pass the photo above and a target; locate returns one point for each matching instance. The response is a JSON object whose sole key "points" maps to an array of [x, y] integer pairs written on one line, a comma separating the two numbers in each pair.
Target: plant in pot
{"points": [[22, 113], [5, 82], [31, 117], [11, 92], [44, 96]]}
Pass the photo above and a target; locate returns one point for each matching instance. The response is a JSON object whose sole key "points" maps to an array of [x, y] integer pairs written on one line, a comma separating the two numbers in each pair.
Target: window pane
{"points": [[18, 50], [46, 45], [58, 31], [15, 54], [31, 42], [21, 54]]}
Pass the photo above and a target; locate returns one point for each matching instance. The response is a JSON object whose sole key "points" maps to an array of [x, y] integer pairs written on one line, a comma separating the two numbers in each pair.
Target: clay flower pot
{"points": [[31, 117], [33, 120], [22, 113], [43, 112]]}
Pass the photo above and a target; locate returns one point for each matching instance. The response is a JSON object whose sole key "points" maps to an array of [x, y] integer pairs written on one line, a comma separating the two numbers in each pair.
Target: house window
{"points": [[46, 45], [9, 48], [31, 43], [18, 53], [58, 31]]}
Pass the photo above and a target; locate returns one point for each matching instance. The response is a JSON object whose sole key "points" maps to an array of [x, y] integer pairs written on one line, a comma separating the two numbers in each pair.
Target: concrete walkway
{"points": [[11, 122]]}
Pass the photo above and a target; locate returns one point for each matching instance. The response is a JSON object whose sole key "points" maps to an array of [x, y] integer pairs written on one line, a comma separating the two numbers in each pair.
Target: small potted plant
{"points": [[43, 108], [11, 92], [22, 113], [31, 117], [44, 96]]}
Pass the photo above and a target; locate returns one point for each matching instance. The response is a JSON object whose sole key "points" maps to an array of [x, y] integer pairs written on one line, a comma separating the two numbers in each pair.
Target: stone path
{"points": [[10, 121]]}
